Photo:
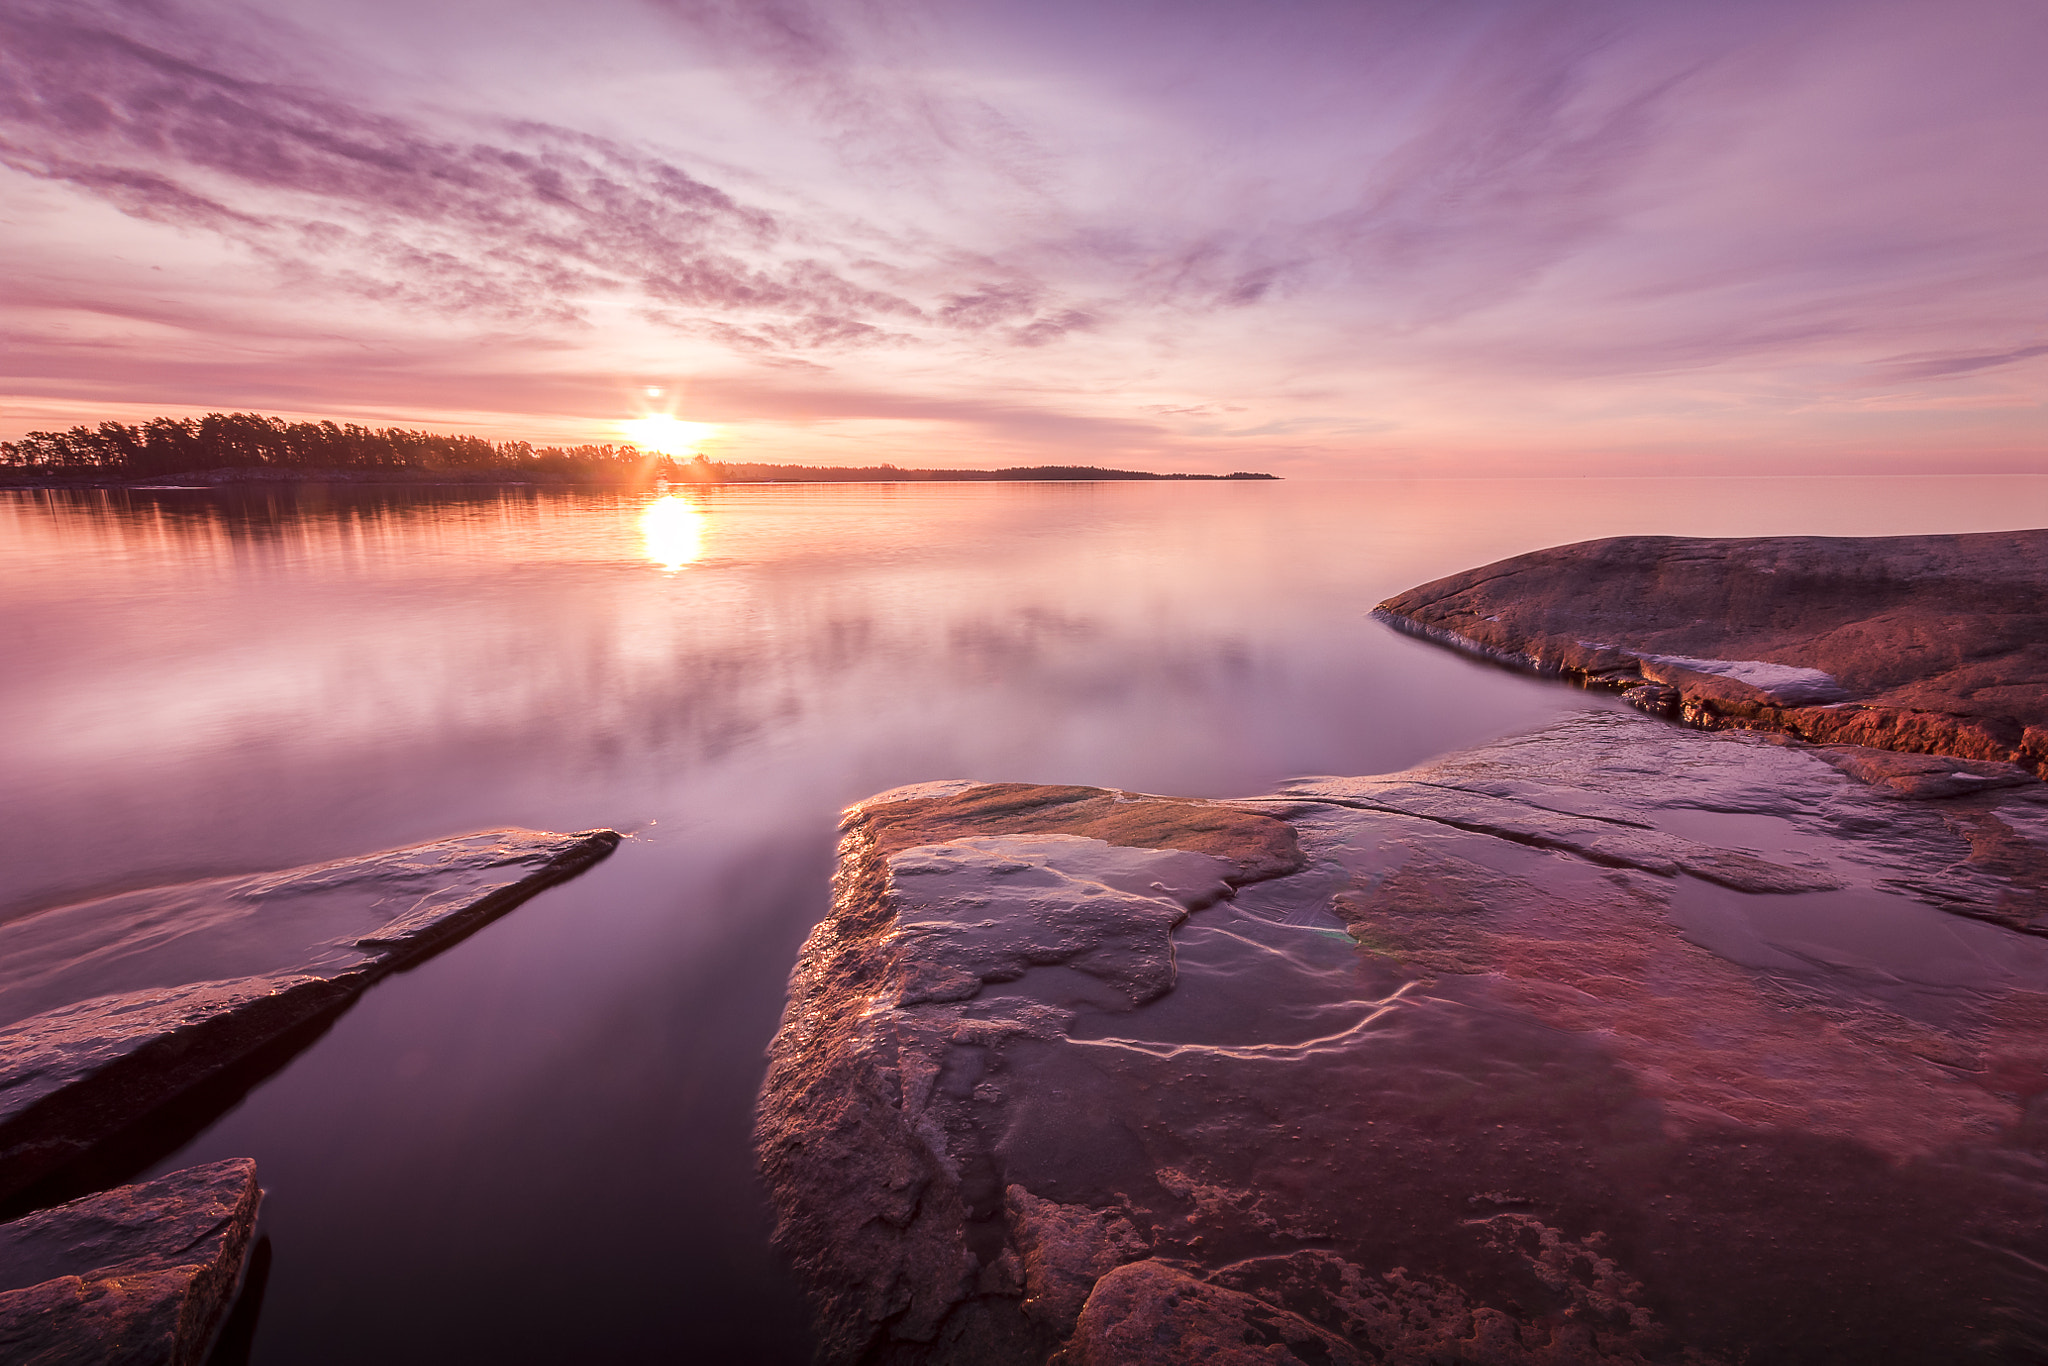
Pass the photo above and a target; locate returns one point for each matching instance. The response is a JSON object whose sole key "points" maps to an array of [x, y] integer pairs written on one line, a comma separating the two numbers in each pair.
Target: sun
{"points": [[666, 435]]}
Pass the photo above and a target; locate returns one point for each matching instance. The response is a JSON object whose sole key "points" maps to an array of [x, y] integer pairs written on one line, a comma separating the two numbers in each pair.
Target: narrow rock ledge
{"points": [[186, 982]]}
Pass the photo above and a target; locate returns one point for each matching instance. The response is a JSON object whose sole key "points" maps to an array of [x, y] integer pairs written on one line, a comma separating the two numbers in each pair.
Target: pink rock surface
{"points": [[1616, 1042]]}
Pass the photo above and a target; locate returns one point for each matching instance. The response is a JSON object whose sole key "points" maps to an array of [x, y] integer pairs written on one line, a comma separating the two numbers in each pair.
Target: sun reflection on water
{"points": [[673, 528]]}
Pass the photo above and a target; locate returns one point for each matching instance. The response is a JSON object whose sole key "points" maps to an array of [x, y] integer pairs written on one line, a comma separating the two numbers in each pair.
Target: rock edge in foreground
{"points": [[139, 1276], [76, 1075], [1571, 1048]]}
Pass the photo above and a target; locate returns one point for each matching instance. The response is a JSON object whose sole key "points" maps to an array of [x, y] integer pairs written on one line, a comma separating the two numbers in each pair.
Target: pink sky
{"points": [[1342, 239]]}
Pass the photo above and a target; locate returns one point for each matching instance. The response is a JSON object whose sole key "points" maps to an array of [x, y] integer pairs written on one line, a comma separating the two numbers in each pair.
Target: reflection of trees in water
{"points": [[259, 514]]}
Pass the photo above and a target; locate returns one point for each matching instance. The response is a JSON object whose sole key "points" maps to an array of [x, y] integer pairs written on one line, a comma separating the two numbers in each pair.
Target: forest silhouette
{"points": [[230, 443], [239, 441]]}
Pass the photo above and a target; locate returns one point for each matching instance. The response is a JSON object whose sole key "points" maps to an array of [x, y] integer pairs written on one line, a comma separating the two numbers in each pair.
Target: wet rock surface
{"points": [[139, 1276], [1924, 644], [115, 1007], [1615, 1042]]}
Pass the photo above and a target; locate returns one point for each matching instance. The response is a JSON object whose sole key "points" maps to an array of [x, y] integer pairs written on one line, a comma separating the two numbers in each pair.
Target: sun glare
{"points": [[674, 532], [667, 435]]}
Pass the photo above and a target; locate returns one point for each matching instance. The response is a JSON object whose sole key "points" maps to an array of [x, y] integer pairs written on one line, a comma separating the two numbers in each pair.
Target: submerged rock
{"points": [[115, 1007], [140, 1276], [1616, 1042], [1924, 644]]}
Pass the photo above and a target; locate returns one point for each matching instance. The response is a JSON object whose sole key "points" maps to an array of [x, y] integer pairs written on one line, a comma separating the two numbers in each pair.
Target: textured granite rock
{"points": [[114, 1007], [139, 1276], [1923, 644], [1618, 1042]]}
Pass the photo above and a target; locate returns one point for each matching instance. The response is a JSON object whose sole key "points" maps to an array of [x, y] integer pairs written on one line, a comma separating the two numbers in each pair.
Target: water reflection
{"points": [[673, 529], [210, 682]]}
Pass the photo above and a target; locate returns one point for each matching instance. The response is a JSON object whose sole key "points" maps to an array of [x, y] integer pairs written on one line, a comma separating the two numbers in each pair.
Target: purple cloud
{"points": [[1900, 368], [1565, 225], [525, 226]]}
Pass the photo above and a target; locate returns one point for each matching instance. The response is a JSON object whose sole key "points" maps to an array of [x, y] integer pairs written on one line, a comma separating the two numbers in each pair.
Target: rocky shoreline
{"points": [[1615, 1042], [1931, 645], [115, 1012], [1621, 1041]]}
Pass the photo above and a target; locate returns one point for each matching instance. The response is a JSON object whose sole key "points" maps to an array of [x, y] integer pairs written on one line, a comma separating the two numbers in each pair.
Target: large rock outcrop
{"points": [[1617, 1042], [115, 1007], [1924, 644], [140, 1276]]}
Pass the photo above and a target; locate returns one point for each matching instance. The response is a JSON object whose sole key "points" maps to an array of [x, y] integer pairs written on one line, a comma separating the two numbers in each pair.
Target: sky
{"points": [[1359, 239]]}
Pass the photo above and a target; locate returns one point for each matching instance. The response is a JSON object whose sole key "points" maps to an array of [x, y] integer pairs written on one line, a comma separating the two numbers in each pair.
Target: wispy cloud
{"points": [[520, 220], [1901, 368], [1561, 224]]}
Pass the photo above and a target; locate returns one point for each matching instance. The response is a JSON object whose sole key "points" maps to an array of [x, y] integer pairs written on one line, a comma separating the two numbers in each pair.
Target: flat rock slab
{"points": [[114, 1007], [139, 1276], [1615, 1042], [1924, 644]]}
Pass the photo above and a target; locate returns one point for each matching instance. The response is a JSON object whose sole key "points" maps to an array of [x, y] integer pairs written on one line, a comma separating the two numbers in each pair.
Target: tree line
{"points": [[249, 440], [169, 446]]}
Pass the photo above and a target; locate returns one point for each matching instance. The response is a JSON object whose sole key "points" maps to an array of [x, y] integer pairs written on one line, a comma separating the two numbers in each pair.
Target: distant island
{"points": [[234, 448], [705, 471]]}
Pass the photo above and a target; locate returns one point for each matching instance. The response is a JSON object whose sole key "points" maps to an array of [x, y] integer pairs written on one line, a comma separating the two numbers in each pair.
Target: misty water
{"points": [[535, 1146]]}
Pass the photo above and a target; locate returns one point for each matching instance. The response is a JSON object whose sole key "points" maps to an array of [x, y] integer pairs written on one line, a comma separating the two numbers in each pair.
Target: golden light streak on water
{"points": [[673, 529]]}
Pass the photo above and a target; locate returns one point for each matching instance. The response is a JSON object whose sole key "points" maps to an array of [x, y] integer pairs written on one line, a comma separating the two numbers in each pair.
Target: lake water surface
{"points": [[534, 1148]]}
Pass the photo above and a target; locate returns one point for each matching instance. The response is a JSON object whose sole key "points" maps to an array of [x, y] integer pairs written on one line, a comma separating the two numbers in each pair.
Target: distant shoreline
{"points": [[704, 474], [223, 449]]}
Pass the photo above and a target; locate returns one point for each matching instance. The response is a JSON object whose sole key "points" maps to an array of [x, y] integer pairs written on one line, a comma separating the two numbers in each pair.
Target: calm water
{"points": [[534, 1148]]}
